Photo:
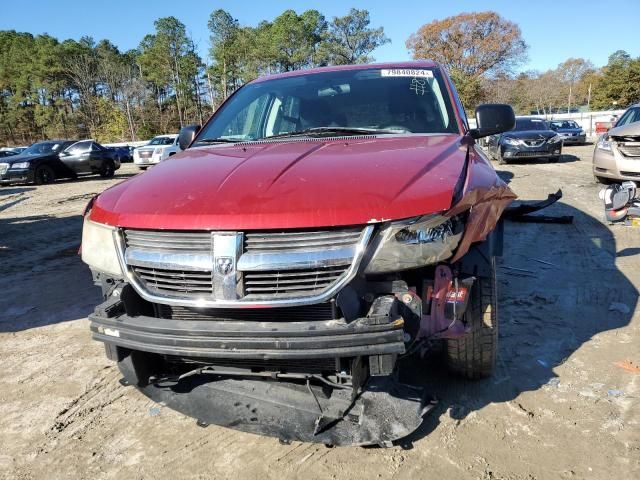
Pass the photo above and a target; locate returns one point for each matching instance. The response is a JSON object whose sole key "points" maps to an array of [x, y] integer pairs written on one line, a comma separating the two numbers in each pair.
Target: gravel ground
{"points": [[563, 403]]}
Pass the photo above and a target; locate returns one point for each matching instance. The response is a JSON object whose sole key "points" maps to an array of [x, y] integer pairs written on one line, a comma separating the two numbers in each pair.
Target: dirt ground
{"points": [[563, 403]]}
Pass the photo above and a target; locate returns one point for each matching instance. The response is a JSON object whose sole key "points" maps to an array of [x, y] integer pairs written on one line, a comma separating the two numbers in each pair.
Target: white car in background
{"points": [[158, 149]]}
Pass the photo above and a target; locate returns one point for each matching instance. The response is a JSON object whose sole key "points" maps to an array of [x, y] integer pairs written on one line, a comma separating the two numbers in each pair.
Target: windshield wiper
{"points": [[331, 130], [218, 140]]}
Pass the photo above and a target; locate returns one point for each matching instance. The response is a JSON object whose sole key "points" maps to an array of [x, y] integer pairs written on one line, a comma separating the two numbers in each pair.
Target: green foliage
{"points": [[619, 85], [87, 88]]}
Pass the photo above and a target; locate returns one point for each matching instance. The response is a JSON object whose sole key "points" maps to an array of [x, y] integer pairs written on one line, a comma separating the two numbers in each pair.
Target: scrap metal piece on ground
{"points": [[524, 208], [562, 219], [520, 212]]}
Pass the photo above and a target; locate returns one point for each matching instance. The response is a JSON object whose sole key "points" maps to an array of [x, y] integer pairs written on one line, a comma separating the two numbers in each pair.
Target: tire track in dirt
{"points": [[84, 411]]}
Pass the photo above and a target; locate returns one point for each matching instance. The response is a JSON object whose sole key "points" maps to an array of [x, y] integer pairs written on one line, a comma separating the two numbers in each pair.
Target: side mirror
{"points": [[186, 136], [493, 118]]}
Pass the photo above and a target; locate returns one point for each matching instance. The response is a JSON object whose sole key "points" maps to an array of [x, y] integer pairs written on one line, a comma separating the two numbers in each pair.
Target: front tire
{"points": [[474, 355], [44, 174]]}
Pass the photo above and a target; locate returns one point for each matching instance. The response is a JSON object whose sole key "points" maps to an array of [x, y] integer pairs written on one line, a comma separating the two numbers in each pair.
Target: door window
{"points": [[79, 148]]}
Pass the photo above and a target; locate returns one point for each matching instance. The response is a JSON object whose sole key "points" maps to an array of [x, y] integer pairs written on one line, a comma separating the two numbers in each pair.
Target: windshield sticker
{"points": [[418, 85], [406, 72]]}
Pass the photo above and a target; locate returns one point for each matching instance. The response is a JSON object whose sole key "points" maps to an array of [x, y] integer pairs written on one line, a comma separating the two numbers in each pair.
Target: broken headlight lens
{"points": [[99, 248], [604, 143], [415, 243]]}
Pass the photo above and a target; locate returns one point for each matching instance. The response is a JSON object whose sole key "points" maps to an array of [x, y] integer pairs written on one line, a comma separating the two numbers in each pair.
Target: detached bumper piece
{"points": [[384, 412]]}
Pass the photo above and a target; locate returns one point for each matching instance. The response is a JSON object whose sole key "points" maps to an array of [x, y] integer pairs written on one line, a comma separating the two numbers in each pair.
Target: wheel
{"points": [[44, 174], [142, 168], [474, 355], [108, 169], [601, 180]]}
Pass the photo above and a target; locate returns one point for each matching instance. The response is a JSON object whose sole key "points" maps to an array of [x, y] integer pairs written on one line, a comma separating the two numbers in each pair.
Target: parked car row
{"points": [[46, 161]]}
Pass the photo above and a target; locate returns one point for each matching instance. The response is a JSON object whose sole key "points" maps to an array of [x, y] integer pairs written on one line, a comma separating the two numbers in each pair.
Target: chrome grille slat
{"points": [[287, 241]]}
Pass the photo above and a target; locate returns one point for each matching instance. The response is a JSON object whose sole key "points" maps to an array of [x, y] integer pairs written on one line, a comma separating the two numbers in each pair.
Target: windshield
{"points": [[43, 148], [564, 124], [391, 100], [161, 141], [530, 124]]}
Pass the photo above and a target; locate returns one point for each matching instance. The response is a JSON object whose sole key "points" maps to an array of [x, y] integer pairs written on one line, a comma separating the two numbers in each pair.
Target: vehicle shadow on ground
{"points": [[558, 287], [43, 279]]}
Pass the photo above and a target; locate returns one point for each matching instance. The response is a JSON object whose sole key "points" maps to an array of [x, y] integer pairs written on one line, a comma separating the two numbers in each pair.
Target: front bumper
{"points": [[23, 175], [574, 139], [223, 339], [523, 151], [152, 160], [615, 166]]}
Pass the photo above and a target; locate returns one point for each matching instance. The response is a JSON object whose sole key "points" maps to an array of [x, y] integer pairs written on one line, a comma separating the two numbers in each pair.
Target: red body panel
{"points": [[290, 184]]}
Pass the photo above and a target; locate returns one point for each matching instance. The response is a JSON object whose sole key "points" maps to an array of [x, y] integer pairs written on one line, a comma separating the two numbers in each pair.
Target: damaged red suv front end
{"points": [[321, 226]]}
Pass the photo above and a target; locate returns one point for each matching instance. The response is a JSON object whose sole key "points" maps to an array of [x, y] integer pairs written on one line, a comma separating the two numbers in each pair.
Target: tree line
{"points": [[80, 89], [86, 88]]}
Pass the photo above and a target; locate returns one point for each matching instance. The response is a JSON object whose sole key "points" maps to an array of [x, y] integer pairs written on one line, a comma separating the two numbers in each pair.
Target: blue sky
{"points": [[554, 30]]}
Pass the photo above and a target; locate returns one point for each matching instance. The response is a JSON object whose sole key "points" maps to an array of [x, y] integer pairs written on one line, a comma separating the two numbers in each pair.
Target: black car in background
{"points": [[530, 138], [44, 162], [7, 153]]}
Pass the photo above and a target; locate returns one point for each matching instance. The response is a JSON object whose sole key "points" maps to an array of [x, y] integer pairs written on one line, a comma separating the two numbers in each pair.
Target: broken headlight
{"points": [[415, 243]]}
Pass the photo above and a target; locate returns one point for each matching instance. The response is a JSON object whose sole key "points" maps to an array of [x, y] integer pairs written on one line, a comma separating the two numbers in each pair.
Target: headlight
{"points": [[99, 247], [604, 143], [511, 141], [20, 165], [555, 139], [415, 243], [157, 151]]}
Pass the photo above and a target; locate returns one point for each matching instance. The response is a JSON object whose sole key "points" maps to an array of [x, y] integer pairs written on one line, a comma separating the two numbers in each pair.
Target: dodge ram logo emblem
{"points": [[224, 265]]}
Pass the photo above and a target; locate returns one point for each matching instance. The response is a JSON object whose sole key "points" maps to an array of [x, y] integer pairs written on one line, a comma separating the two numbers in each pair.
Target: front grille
{"points": [[629, 150], [272, 265], [306, 313], [174, 281], [531, 154], [630, 174], [291, 282], [286, 241], [533, 143], [145, 153]]}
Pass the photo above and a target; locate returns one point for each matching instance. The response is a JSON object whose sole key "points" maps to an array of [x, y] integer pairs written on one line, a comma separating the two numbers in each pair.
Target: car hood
{"points": [[631, 130], [530, 134], [290, 184], [27, 158]]}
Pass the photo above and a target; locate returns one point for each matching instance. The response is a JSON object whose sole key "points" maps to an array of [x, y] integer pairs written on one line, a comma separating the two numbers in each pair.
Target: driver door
{"points": [[76, 157]]}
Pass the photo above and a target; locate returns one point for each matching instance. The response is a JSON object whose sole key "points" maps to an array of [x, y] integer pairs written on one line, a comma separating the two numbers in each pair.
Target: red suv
{"points": [[316, 237]]}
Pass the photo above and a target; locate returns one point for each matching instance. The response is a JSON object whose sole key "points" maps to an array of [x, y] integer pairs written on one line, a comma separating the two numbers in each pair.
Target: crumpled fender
{"points": [[485, 196]]}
